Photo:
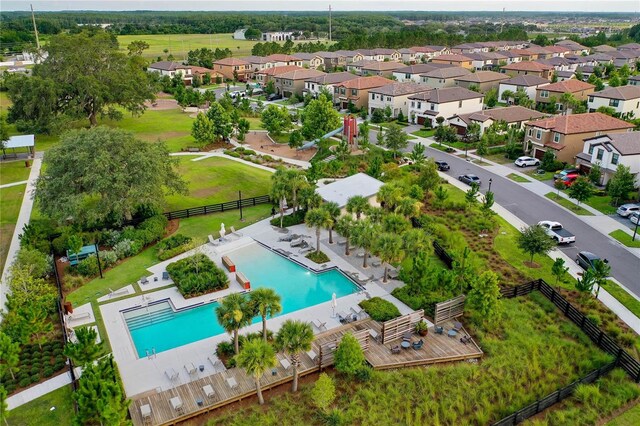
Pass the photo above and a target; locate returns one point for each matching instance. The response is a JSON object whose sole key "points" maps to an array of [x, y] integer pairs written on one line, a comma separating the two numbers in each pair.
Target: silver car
{"points": [[626, 209], [634, 217]]}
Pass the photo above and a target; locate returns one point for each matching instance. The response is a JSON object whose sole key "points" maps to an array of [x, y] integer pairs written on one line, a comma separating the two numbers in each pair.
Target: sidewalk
{"points": [[8, 185], [23, 219], [38, 390]]}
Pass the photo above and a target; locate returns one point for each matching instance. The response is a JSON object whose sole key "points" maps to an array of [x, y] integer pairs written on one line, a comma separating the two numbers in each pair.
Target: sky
{"points": [[631, 6]]}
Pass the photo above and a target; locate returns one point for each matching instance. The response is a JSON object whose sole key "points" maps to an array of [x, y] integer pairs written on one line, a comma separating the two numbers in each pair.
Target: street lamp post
{"points": [[490, 180], [635, 230]]}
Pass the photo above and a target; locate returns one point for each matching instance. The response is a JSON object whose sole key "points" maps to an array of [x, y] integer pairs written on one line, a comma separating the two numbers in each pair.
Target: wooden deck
{"points": [[437, 348]]}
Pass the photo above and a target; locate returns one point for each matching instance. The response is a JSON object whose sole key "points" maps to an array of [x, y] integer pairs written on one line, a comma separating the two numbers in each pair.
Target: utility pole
{"points": [[329, 23], [502, 26], [35, 29]]}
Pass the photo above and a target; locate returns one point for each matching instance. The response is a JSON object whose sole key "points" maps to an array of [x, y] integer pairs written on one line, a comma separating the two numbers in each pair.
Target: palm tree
{"points": [[295, 182], [357, 204], [601, 271], [279, 191], [415, 241], [334, 211], [395, 223], [388, 195], [344, 226], [318, 218], [364, 235], [294, 337], [389, 248], [408, 207], [375, 214], [234, 313], [256, 358], [265, 302]]}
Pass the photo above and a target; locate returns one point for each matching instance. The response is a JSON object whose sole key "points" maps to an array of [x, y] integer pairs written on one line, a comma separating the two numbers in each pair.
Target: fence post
{"points": [[553, 297], [254, 201], [187, 212], [169, 215], [205, 209], [566, 307], [600, 337], [515, 291]]}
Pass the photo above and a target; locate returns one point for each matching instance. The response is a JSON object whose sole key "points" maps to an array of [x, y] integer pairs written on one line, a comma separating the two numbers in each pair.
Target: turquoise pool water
{"points": [[159, 327]]}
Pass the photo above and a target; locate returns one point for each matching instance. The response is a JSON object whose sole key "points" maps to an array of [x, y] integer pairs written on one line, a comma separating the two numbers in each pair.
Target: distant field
{"points": [[179, 44]]}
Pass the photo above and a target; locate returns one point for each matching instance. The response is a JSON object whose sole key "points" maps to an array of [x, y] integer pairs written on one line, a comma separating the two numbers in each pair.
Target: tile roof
{"points": [[604, 48], [557, 49], [581, 123], [510, 114], [279, 57], [362, 62], [626, 143], [571, 44], [231, 62], [401, 89], [300, 74], [383, 66], [279, 70], [528, 66], [447, 72], [255, 59], [453, 58], [422, 49], [306, 56], [364, 83], [447, 94], [622, 92], [483, 77], [567, 86], [629, 46], [565, 74], [526, 80], [333, 78], [167, 66]]}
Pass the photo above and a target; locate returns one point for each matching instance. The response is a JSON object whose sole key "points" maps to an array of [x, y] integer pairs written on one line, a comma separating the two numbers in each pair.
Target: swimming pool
{"points": [[159, 327]]}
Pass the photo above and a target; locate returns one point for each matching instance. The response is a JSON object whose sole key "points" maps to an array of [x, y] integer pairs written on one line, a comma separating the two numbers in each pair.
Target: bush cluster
{"points": [[380, 309], [35, 365], [196, 275], [289, 220], [173, 246]]}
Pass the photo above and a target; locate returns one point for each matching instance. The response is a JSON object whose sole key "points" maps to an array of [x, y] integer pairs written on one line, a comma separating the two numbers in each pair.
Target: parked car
{"points": [[257, 91], [568, 180], [586, 259], [443, 166], [527, 161], [626, 209], [469, 179], [557, 232], [274, 97], [634, 217], [566, 172]]}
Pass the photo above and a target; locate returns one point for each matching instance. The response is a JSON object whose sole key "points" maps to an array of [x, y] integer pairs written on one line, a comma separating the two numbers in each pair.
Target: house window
{"points": [[600, 154], [591, 149], [544, 93], [419, 105], [388, 98], [614, 102], [432, 107], [615, 158], [556, 137], [538, 134], [343, 91], [354, 92], [590, 98], [530, 132], [407, 76]]}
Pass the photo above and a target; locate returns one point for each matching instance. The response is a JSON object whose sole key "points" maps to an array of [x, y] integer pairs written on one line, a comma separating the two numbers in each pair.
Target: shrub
{"points": [[318, 257], [174, 241], [196, 275], [364, 373], [249, 152], [349, 358], [58, 366], [110, 237], [155, 225], [24, 382], [108, 258], [290, 220], [168, 254], [35, 378], [37, 262], [380, 309], [88, 267], [48, 372], [225, 349], [123, 248], [71, 282]]}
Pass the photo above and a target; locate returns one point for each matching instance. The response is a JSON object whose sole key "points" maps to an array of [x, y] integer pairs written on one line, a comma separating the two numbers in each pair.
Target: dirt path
{"points": [[259, 141]]}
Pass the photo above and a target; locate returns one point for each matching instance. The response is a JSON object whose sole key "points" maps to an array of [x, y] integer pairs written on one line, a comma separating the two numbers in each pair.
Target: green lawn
{"points": [[625, 238], [39, 412], [542, 177], [11, 200], [13, 171], [498, 158], [216, 180], [603, 203], [255, 123], [517, 178], [568, 204], [630, 417], [424, 133], [623, 297], [5, 103], [281, 138], [132, 269]]}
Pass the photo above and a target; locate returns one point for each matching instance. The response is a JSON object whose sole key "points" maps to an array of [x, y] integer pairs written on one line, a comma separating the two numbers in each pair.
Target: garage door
{"points": [[421, 120], [538, 153], [460, 130]]}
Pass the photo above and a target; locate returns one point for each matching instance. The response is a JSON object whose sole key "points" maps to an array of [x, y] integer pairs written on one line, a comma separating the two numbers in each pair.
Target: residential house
{"points": [[384, 69], [565, 134], [371, 55], [414, 72], [625, 100], [576, 60], [170, 69], [487, 61], [634, 80], [292, 82], [524, 54], [333, 60], [556, 50], [233, 68], [483, 81], [558, 63], [263, 77], [310, 60], [438, 50], [528, 68], [278, 36], [609, 151], [388, 54], [552, 92], [280, 60], [539, 52], [443, 77], [349, 55], [604, 48], [423, 53], [586, 71], [629, 46], [469, 48], [456, 60], [565, 75], [356, 91], [527, 83], [256, 64], [199, 72], [395, 96], [625, 57], [598, 59], [513, 116], [408, 56], [575, 47], [428, 106], [356, 67], [512, 57], [327, 82]]}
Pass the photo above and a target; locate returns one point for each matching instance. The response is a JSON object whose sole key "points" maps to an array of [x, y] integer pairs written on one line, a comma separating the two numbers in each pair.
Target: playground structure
{"points": [[349, 130]]}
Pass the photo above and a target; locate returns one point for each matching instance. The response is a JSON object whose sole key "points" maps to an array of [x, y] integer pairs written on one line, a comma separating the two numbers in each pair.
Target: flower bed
{"points": [[197, 275]]}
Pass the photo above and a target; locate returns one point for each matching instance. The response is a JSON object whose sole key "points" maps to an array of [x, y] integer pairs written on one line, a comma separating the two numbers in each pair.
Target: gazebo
{"points": [[18, 142]]}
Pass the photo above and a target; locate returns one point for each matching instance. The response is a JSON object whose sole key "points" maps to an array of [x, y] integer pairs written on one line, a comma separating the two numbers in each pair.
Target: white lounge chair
{"points": [[171, 374], [121, 291], [285, 363], [191, 369], [231, 381], [312, 354], [218, 366], [176, 403], [208, 391], [83, 315], [342, 242], [145, 412], [374, 335], [306, 250], [319, 324], [358, 311], [234, 232], [213, 241], [296, 242]]}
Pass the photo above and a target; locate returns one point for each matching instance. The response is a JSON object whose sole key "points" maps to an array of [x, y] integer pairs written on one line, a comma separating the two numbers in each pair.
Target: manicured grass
{"points": [[9, 209], [542, 177], [424, 133], [623, 297], [604, 205], [498, 158], [625, 238], [216, 180], [517, 178], [568, 204], [5, 102], [132, 269], [628, 418], [13, 171], [281, 138], [255, 123], [440, 147], [38, 412]]}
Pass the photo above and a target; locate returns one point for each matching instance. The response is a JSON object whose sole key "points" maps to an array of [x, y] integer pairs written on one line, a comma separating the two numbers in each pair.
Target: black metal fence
{"points": [[216, 208], [553, 398], [442, 254]]}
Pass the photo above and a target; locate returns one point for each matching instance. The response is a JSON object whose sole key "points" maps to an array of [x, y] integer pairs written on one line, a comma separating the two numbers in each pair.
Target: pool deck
{"points": [[147, 373], [437, 349]]}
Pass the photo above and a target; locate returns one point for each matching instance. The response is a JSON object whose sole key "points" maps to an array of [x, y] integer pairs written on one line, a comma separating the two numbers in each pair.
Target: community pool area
{"points": [[158, 327]]}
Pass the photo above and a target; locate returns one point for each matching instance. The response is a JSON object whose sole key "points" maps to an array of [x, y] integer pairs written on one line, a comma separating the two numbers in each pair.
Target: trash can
{"points": [[27, 163]]}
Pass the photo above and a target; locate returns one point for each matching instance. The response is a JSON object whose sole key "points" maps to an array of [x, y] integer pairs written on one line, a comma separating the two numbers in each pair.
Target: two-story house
{"points": [[576, 48], [256, 64], [356, 67], [554, 91], [625, 100], [170, 69], [414, 72], [327, 82], [528, 68], [280, 60], [310, 60], [383, 69], [333, 60], [263, 77], [443, 77], [634, 80], [395, 96], [526, 83], [487, 61], [455, 60], [564, 134], [514, 116], [292, 82], [349, 55], [609, 151], [233, 68], [481, 81], [356, 91], [428, 106]]}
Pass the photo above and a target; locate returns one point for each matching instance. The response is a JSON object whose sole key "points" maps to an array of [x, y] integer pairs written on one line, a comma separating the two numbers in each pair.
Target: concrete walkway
{"points": [[38, 390], [23, 219], [8, 185]]}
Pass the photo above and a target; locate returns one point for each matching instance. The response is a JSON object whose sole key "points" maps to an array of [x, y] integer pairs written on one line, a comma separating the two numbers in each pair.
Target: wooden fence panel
{"points": [[395, 328], [449, 309]]}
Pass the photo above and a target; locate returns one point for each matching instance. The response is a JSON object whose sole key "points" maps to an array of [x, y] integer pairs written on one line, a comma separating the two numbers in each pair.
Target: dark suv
{"points": [[586, 259], [443, 166]]}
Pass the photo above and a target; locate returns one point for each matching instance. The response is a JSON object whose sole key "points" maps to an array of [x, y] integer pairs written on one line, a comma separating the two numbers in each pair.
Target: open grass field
{"points": [[13, 171], [216, 180], [9, 209], [39, 412]]}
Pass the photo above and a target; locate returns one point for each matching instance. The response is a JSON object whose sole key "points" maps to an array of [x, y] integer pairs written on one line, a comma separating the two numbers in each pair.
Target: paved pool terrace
{"points": [[147, 374]]}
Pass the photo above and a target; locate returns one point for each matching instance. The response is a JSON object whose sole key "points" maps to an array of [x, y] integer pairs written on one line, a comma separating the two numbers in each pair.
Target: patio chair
{"points": [[342, 242], [145, 412], [374, 335], [171, 374], [208, 391], [376, 262], [465, 339], [191, 369], [144, 280], [439, 329], [360, 254], [296, 242], [285, 363], [312, 354], [165, 275], [395, 349], [319, 324], [176, 403], [406, 337], [457, 326], [394, 273], [231, 382], [418, 345], [358, 311], [236, 233], [213, 241], [306, 249], [288, 238]]}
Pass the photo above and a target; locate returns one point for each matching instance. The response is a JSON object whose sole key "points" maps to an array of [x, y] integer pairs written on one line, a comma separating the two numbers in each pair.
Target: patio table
{"points": [[405, 344], [452, 333]]}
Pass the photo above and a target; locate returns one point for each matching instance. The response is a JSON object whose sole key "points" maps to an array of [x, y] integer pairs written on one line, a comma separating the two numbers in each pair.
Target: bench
{"points": [[228, 264], [193, 149], [79, 316], [243, 281]]}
